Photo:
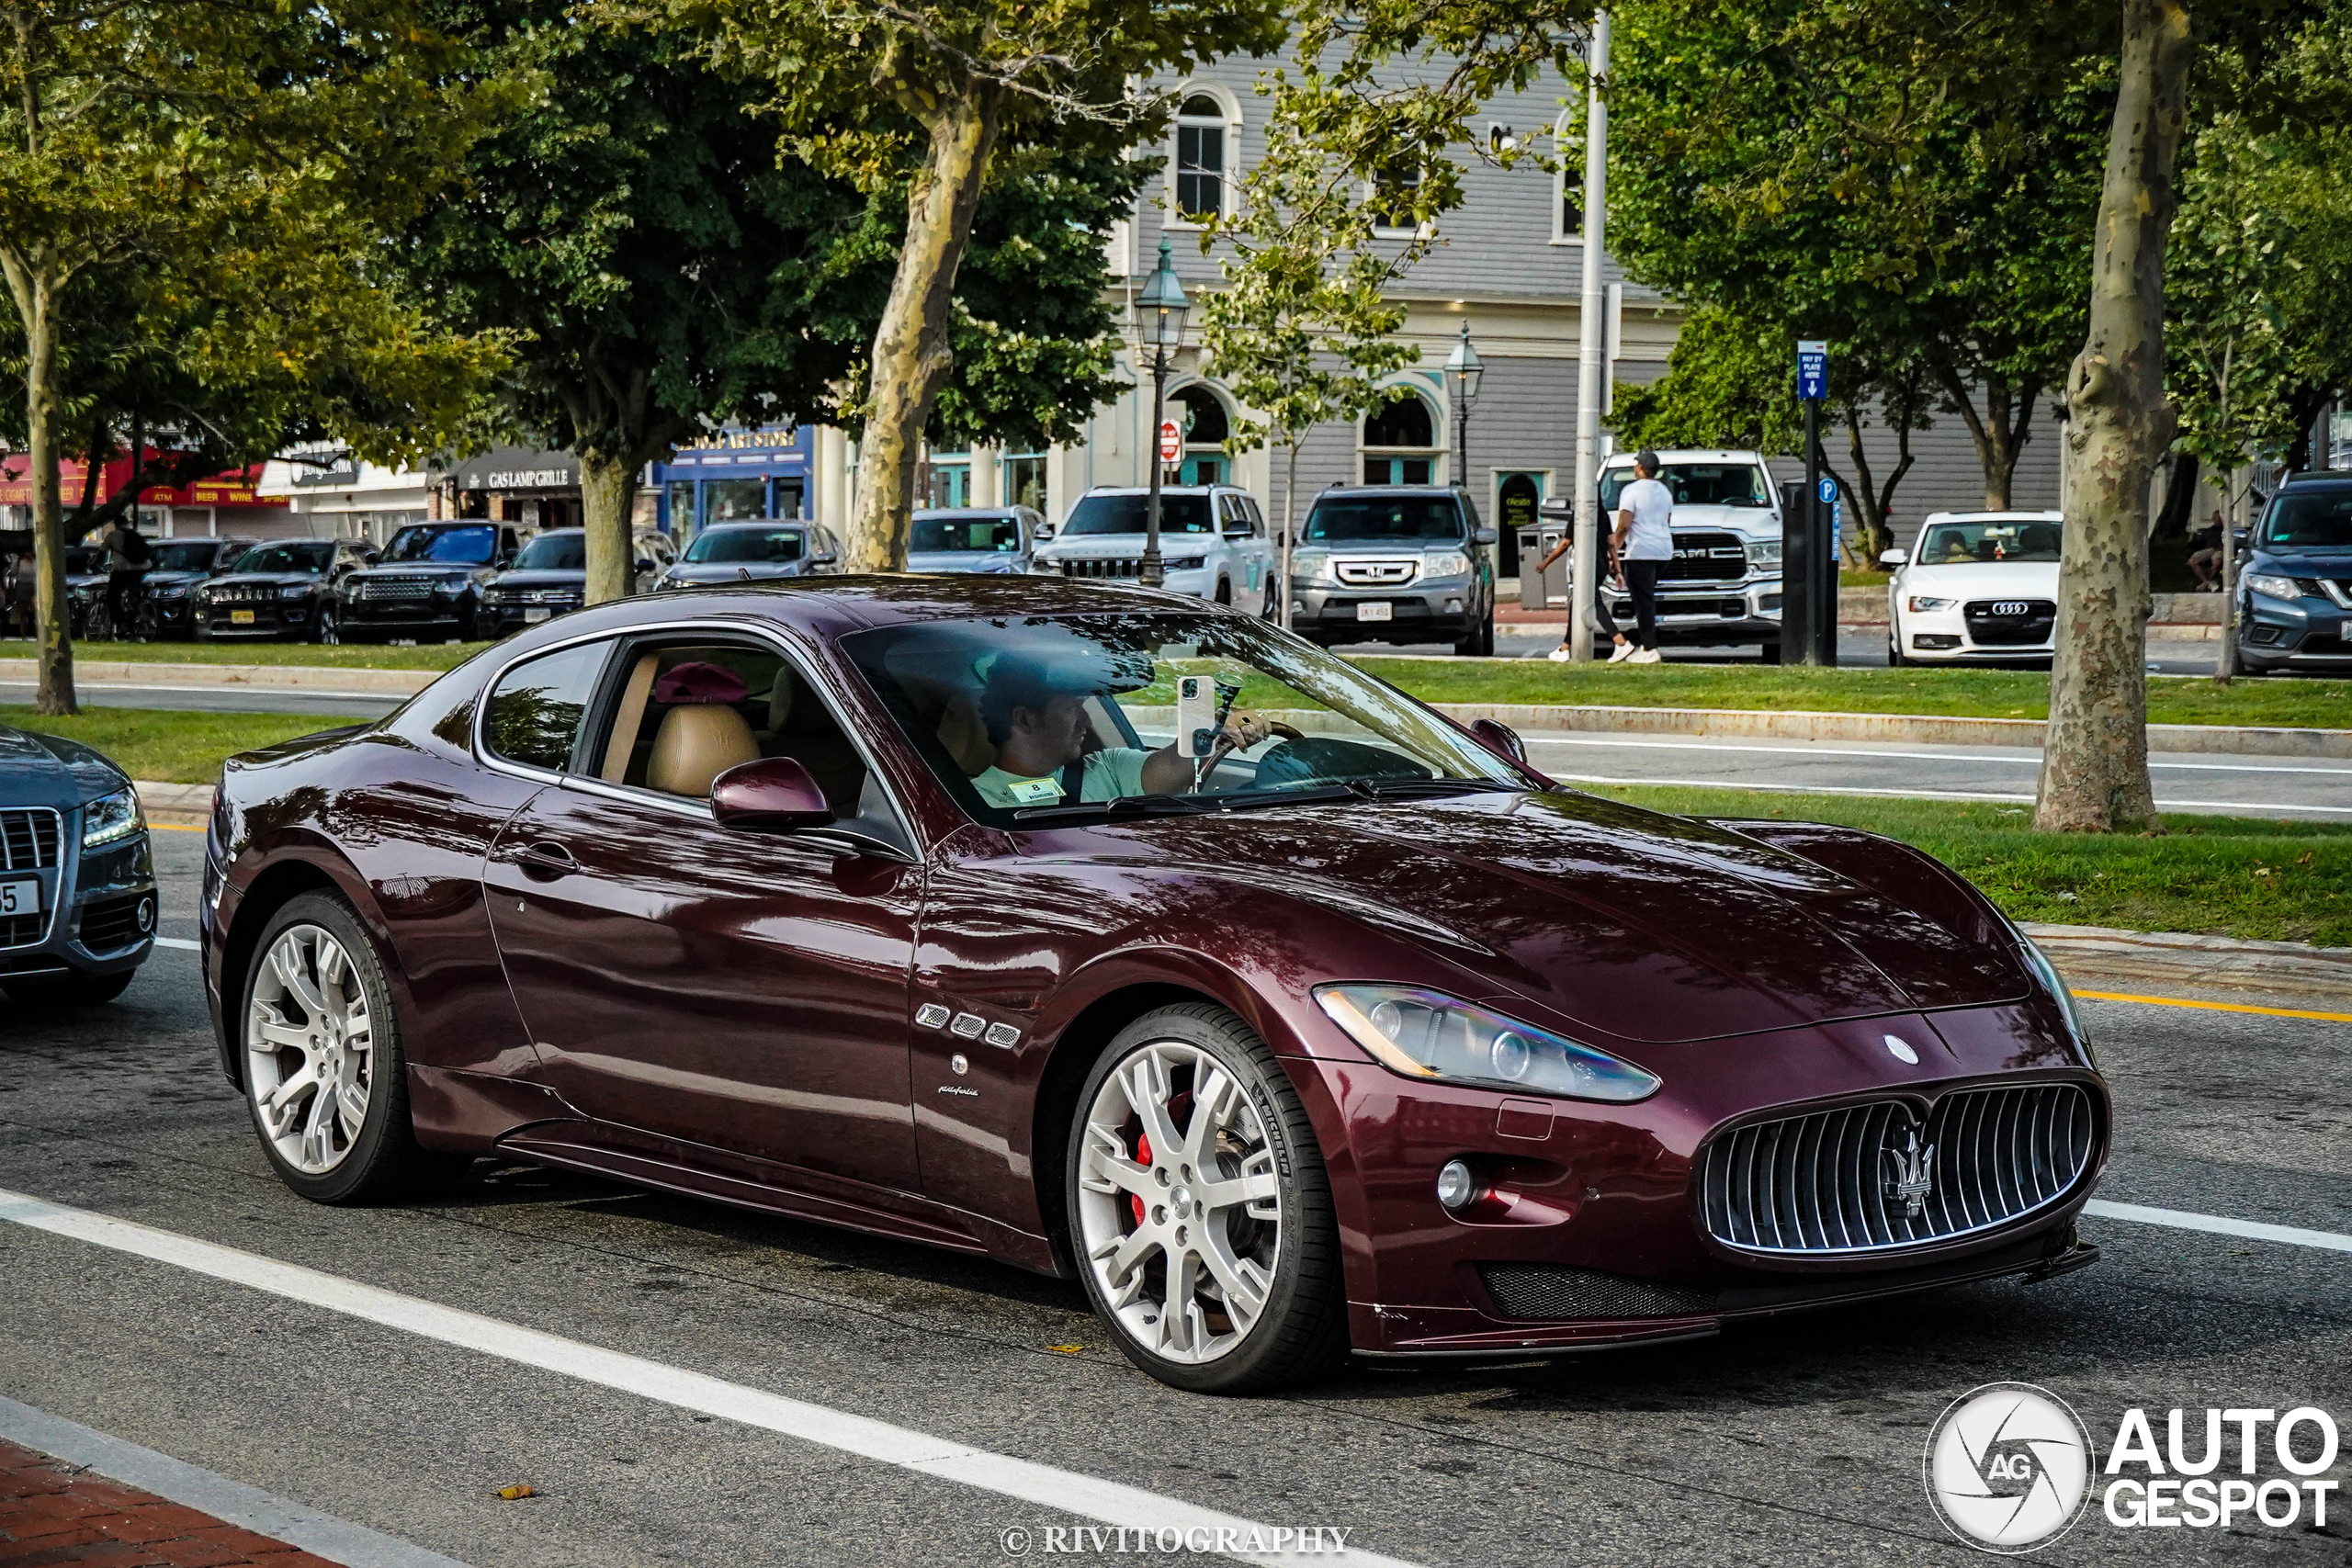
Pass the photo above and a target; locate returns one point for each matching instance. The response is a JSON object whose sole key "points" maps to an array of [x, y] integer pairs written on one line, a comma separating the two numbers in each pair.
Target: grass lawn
{"points": [[1974, 694], [433, 656], [2225, 876], [169, 747]]}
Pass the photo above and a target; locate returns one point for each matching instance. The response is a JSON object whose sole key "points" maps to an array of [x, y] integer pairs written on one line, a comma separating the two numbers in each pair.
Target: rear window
{"points": [[2309, 520], [989, 535], [1124, 514]]}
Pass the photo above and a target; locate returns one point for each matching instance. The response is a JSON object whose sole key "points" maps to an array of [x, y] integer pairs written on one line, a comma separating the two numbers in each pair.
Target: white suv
{"points": [[1213, 542]]}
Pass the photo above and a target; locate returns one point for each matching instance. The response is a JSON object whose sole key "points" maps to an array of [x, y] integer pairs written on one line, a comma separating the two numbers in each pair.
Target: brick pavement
{"points": [[54, 1513]]}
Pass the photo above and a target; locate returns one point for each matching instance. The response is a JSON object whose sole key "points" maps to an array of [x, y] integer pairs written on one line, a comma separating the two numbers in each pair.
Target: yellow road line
{"points": [[176, 827], [2216, 1007]]}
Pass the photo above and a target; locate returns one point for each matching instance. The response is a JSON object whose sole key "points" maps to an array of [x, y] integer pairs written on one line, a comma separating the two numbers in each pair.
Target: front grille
{"points": [[1530, 1290], [19, 930], [29, 838], [1705, 558], [394, 588], [1874, 1177], [1374, 573], [241, 593], [1103, 568], [111, 924], [2010, 623]]}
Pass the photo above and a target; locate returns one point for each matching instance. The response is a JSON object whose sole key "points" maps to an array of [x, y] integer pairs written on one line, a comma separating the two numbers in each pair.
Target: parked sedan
{"points": [[754, 552], [549, 577], [973, 538], [284, 590], [1979, 587], [975, 911], [77, 882], [2294, 598]]}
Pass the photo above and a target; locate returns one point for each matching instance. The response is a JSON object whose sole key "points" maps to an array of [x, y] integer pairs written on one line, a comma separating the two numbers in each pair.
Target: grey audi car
{"points": [[77, 882]]}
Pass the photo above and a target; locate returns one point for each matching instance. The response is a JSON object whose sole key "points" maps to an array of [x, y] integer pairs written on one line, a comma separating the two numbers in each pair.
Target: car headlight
{"points": [[1920, 603], [111, 817], [1445, 563], [2274, 587], [2047, 973], [1426, 1034], [172, 590], [1311, 565], [1763, 552], [295, 590], [1184, 563]]}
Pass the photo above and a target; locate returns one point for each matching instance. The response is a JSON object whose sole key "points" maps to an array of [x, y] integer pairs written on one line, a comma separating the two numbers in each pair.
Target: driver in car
{"points": [[1036, 718]]}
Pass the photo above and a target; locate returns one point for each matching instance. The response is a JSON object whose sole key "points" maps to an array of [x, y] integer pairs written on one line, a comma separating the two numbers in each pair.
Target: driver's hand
{"points": [[1243, 730]]}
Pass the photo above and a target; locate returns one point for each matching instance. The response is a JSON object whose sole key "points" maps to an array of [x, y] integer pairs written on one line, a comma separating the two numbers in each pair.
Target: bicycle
{"points": [[143, 622]]}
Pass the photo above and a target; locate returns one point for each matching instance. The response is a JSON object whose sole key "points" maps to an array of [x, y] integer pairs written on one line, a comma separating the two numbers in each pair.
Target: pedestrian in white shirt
{"points": [[1644, 541]]}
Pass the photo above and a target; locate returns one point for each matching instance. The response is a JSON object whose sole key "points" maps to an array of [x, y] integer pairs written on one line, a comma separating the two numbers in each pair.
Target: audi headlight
{"points": [[111, 817], [2274, 587], [1311, 565], [1920, 603], [1426, 1034], [1763, 552], [295, 590], [1445, 563]]}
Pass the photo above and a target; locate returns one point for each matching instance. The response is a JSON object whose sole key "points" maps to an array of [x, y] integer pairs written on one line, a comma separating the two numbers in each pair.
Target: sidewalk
{"points": [[51, 1512]]}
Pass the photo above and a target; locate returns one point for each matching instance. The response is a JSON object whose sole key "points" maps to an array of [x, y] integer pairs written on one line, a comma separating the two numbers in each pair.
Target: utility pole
{"points": [[1591, 351]]}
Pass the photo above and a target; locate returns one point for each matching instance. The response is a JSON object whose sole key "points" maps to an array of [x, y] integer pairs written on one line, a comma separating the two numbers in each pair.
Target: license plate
{"points": [[536, 616], [1382, 611], [241, 618], [20, 897]]}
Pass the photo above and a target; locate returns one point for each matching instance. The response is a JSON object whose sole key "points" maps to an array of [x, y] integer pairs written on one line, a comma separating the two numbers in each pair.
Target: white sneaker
{"points": [[1624, 651], [1559, 656], [1647, 655]]}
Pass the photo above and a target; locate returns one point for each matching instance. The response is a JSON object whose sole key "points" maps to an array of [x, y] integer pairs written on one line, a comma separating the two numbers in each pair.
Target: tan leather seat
{"points": [[965, 736], [694, 745]]}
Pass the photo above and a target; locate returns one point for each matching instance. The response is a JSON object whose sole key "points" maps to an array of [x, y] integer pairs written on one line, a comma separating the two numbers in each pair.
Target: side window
{"points": [[1257, 518], [536, 707]]}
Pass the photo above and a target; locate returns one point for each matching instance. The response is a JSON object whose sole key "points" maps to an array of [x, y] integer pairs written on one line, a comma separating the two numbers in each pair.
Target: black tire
{"points": [[1301, 1333], [1224, 592], [73, 991], [99, 624], [327, 628], [1478, 642], [384, 1162], [1770, 652], [1894, 657], [147, 625]]}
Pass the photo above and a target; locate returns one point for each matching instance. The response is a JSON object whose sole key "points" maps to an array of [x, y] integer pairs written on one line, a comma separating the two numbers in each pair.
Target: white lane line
{"points": [[2023, 758], [2180, 1220], [231, 1502], [1063, 1491], [2263, 807], [180, 943]]}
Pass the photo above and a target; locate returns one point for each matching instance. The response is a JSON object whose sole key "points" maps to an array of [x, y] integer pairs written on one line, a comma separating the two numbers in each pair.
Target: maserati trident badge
{"points": [[1911, 1174]]}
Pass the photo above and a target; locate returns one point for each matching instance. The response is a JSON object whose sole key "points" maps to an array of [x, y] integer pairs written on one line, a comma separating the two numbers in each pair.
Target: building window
{"points": [[951, 482], [1024, 481], [1202, 136], [734, 500], [1400, 441], [1567, 182], [1394, 190], [1201, 415]]}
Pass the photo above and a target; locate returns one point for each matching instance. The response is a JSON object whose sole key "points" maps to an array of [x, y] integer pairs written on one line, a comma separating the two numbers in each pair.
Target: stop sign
{"points": [[1171, 441]]}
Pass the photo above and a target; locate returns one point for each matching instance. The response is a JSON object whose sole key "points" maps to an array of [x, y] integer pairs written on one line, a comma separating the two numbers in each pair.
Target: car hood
{"points": [[454, 571], [175, 579], [2302, 563], [734, 571], [1622, 921], [1997, 580], [542, 577], [1757, 520], [48, 770], [979, 562], [263, 579]]}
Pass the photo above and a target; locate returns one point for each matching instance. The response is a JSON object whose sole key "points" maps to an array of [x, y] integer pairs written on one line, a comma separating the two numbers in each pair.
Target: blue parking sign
{"points": [[1813, 371], [1828, 489]]}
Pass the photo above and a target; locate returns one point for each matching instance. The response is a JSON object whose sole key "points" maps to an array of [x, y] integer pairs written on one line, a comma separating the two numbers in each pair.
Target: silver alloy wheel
{"points": [[310, 1055], [1180, 1210]]}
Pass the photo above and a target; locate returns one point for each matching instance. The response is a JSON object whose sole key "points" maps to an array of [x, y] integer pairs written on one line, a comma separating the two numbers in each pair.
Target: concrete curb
{"points": [[2199, 963], [325, 680], [175, 805]]}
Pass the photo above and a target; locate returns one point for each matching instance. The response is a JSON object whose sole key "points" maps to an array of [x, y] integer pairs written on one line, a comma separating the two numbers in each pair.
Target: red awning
{"points": [[230, 487]]}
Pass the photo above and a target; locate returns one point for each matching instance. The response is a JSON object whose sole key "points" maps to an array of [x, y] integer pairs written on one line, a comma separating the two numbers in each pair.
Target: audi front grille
{"points": [[1876, 1177], [29, 838]]}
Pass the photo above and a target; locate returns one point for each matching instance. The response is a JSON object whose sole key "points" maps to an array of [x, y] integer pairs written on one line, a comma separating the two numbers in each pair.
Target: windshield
{"points": [[2310, 520], [467, 546], [1960, 544], [310, 558], [1034, 720], [1124, 514], [554, 552], [1697, 484], [1405, 519], [748, 545], [184, 555], [988, 534]]}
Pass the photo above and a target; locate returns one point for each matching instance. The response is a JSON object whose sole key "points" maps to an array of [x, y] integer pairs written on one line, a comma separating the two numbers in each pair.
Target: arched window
{"points": [[1400, 441], [1567, 182], [1201, 415], [1203, 143]]}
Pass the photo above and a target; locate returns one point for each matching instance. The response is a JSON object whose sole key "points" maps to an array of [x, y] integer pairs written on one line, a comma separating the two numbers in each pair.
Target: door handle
{"points": [[546, 861]]}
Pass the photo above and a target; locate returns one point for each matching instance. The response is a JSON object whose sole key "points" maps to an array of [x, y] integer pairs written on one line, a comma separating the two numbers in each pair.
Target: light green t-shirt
{"points": [[1110, 772]]}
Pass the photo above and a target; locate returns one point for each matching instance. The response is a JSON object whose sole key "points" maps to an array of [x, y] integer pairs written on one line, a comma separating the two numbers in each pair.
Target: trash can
{"points": [[1548, 590]]}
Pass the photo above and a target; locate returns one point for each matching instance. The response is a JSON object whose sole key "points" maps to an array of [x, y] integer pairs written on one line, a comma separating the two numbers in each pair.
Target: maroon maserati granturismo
{"points": [[1114, 935]]}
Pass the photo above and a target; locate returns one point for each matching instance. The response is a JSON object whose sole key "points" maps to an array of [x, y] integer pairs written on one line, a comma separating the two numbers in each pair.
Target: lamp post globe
{"points": [[1159, 328]]}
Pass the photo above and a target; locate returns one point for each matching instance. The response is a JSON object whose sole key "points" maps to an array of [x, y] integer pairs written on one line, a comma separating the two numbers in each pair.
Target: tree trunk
{"points": [[2180, 497], [2000, 429], [2094, 760], [607, 506], [36, 303], [1290, 518], [911, 353]]}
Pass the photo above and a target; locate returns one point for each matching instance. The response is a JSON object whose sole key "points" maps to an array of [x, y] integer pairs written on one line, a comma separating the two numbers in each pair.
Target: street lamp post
{"points": [[1160, 327], [1462, 369]]}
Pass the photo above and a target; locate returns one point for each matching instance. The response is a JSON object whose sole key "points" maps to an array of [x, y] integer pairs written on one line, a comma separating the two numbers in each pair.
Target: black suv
{"points": [[1394, 563], [428, 583], [285, 589], [174, 568], [2294, 598]]}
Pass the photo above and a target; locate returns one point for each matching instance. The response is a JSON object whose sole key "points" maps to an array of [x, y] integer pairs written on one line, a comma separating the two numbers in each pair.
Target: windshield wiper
{"points": [[1122, 806], [1390, 789]]}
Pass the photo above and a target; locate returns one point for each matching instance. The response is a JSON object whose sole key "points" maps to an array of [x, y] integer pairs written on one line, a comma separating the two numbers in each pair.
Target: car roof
{"points": [[970, 510], [1387, 489], [1671, 453], [2016, 517], [835, 606], [1164, 490]]}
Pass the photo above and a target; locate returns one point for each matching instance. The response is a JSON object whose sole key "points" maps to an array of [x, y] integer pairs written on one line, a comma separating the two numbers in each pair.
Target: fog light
{"points": [[1456, 1184], [146, 914]]}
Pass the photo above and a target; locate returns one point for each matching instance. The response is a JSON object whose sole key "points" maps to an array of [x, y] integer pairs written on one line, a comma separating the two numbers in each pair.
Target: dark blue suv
{"points": [[2295, 598]]}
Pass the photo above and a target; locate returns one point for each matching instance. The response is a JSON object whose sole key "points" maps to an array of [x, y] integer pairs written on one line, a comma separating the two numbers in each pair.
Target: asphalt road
{"points": [[1796, 1441]]}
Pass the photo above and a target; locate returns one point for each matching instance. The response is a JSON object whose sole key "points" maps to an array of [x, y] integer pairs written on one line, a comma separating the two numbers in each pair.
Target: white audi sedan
{"points": [[1979, 587]]}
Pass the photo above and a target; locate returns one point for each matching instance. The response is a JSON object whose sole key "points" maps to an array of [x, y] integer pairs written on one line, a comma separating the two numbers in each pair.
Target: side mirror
{"points": [[825, 559], [772, 792], [1483, 535], [1499, 737], [1044, 531], [1892, 558]]}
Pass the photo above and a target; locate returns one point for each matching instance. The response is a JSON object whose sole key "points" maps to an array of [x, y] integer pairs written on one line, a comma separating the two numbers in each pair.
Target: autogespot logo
{"points": [[2008, 1467]]}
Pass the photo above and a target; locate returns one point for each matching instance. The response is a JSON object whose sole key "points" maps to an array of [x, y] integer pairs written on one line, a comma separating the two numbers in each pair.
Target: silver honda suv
{"points": [[1394, 563]]}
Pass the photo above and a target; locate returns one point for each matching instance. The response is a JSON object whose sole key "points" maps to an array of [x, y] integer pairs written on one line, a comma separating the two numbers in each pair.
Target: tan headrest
{"points": [[697, 744], [780, 697], [965, 736]]}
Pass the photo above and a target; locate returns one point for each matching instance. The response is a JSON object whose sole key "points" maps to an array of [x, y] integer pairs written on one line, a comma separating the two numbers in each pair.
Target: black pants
{"points": [[1641, 582], [120, 585]]}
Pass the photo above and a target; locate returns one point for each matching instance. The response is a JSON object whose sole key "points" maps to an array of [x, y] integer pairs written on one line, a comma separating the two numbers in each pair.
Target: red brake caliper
{"points": [[1143, 1156]]}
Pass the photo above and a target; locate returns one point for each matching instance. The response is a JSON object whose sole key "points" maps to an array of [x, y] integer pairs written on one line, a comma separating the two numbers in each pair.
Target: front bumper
{"points": [[405, 617], [2299, 633], [293, 618], [505, 620], [1442, 611], [97, 915], [1597, 1202]]}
